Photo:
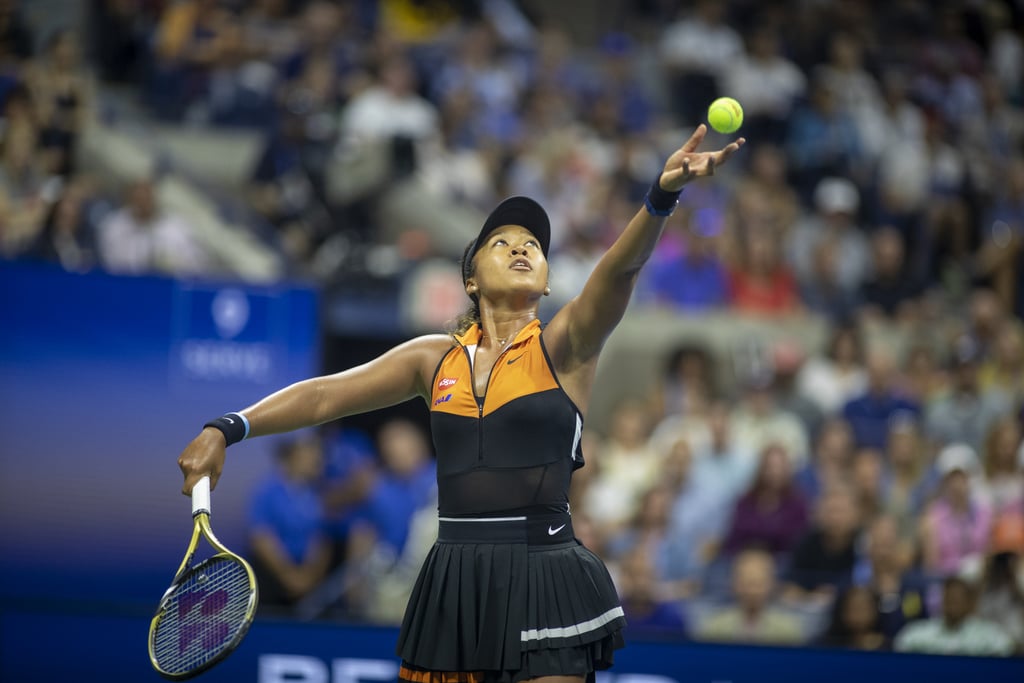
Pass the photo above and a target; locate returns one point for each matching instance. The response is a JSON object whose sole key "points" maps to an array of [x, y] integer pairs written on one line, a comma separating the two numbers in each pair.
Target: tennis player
{"points": [[506, 594]]}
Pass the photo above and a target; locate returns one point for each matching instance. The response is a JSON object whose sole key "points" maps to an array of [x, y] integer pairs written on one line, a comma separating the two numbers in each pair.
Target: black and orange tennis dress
{"points": [[507, 593]]}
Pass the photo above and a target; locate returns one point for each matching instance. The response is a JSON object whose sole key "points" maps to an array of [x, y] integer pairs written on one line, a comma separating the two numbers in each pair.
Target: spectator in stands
{"points": [[1002, 483], [834, 378], [647, 610], [834, 220], [62, 90], [648, 528], [191, 38], [404, 485], [772, 514], [758, 420], [870, 413], [867, 476], [787, 357], [822, 290], [884, 568], [830, 460], [629, 466], [955, 527], [16, 39], [760, 283], [118, 33], [698, 517], [685, 387], [723, 467], [967, 412], [763, 196], [958, 631], [856, 88], [752, 618], [909, 481], [822, 142], [892, 292], [26, 192], [391, 107], [923, 378], [767, 83], [695, 51], [68, 238], [999, 255], [1001, 598], [855, 623], [1004, 369], [695, 280], [350, 473], [143, 238], [826, 554], [290, 551]]}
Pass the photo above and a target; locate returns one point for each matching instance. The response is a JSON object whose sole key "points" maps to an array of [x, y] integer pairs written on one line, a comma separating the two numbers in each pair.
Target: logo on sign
{"points": [[230, 311]]}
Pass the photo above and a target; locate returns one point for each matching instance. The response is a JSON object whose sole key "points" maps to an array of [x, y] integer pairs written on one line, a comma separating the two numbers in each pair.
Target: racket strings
{"points": [[203, 615]]}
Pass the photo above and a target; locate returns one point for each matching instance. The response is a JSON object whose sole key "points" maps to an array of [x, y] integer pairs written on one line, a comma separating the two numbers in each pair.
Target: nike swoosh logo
{"points": [[513, 360], [552, 532], [230, 421]]}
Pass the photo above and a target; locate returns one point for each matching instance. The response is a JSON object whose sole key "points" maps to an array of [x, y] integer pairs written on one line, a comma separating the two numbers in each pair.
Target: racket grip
{"points": [[201, 496]]}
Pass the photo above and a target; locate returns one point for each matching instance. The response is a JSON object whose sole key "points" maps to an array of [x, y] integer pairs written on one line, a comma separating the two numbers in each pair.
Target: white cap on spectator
{"points": [[957, 456], [836, 195]]}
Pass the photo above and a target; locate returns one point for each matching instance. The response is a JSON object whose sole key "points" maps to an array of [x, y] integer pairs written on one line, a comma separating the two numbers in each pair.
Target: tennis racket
{"points": [[207, 610]]}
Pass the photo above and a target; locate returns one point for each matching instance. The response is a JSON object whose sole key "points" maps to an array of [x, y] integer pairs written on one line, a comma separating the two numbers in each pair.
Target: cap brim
{"points": [[517, 210]]}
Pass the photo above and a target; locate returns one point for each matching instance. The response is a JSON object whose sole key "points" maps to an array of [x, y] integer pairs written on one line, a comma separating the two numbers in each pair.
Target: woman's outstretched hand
{"points": [[686, 163]]}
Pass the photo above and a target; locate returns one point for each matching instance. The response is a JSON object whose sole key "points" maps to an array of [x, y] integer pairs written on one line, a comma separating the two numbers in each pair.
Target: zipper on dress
{"points": [[480, 399]]}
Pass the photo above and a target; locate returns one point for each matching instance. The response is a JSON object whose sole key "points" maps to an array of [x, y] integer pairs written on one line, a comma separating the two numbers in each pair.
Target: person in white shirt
{"points": [[957, 631], [140, 238]]}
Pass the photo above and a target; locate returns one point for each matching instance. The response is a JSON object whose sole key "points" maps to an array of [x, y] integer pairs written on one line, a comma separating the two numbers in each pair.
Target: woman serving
{"points": [[507, 593]]}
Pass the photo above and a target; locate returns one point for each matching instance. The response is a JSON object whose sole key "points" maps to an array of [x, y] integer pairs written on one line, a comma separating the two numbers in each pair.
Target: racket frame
{"points": [[201, 529]]}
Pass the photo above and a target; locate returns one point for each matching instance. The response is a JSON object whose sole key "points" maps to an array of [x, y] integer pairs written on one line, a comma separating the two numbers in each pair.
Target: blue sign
{"points": [[104, 381], [45, 646]]}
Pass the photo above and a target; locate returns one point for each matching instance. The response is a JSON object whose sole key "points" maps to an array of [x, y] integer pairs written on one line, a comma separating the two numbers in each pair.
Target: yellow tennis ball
{"points": [[725, 115]]}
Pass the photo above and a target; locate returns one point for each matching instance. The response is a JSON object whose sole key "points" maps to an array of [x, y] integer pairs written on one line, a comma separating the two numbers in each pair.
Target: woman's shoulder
{"points": [[432, 344]]}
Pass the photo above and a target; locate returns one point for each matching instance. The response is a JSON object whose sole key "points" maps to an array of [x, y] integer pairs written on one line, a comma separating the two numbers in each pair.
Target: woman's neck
{"points": [[499, 328]]}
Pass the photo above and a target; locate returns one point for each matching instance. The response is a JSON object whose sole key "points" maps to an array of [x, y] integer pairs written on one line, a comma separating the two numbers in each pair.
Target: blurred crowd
{"points": [[860, 495]]}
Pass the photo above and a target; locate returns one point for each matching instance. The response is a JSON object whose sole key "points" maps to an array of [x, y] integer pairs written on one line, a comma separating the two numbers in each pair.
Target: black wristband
{"points": [[659, 202], [233, 426]]}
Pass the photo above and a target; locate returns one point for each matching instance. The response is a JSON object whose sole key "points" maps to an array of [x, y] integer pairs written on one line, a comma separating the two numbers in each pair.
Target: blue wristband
{"points": [[659, 202]]}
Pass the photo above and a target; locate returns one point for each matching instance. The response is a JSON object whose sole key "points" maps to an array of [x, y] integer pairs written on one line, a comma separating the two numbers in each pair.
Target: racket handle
{"points": [[201, 496]]}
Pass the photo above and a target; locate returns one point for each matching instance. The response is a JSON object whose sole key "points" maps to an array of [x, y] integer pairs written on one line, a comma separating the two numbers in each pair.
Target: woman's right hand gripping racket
{"points": [[207, 610]]}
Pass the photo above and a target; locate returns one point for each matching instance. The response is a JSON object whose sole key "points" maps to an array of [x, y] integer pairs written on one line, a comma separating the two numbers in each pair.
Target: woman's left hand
{"points": [[686, 163]]}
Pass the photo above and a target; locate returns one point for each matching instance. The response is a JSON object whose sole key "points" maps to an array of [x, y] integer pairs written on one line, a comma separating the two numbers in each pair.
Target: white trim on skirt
{"points": [[574, 630]]}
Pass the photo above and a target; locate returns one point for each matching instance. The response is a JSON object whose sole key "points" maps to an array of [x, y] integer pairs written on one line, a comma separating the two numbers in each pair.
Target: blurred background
{"points": [[806, 432]]}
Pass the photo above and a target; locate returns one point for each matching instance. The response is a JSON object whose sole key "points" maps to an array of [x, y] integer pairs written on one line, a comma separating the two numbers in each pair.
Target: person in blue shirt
{"points": [[404, 485], [290, 551], [870, 414]]}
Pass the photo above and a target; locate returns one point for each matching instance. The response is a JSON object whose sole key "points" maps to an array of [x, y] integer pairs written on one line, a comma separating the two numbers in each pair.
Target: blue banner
{"points": [[38, 646], [104, 381]]}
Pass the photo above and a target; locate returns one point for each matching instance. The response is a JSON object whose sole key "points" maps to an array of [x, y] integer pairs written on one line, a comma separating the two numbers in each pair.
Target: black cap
{"points": [[517, 210]]}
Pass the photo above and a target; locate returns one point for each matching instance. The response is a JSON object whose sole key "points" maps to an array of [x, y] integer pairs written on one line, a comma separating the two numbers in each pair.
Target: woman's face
{"points": [[510, 261]]}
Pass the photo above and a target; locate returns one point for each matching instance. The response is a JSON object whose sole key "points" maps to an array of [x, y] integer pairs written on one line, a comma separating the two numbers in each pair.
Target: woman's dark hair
{"points": [[471, 316]]}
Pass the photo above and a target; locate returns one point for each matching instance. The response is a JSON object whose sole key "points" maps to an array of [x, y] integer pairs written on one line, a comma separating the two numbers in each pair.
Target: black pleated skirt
{"points": [[513, 600]]}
